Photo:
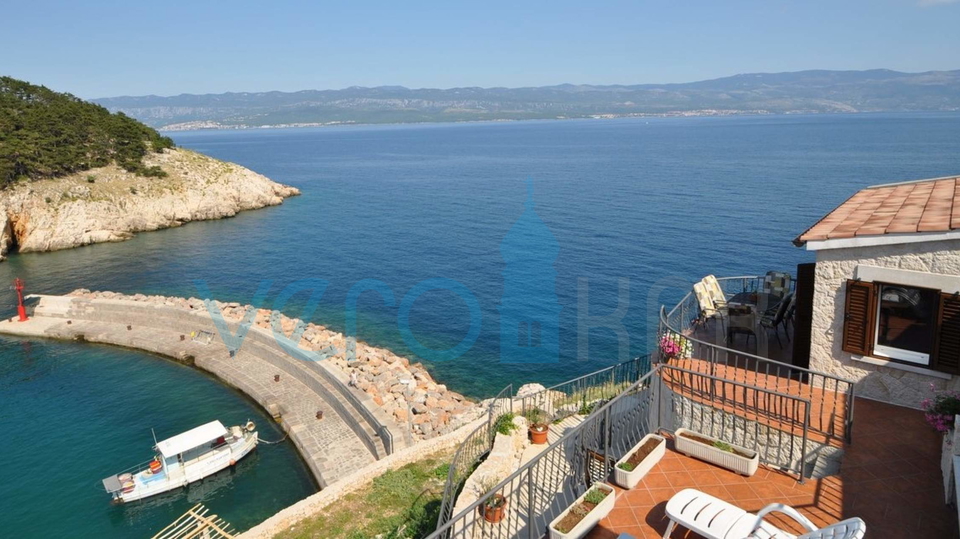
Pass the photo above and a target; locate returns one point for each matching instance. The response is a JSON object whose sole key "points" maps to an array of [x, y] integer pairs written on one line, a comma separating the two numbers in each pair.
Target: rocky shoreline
{"points": [[110, 204], [404, 391]]}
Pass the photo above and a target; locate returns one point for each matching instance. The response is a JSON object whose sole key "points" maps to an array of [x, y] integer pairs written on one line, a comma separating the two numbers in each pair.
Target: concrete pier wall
{"points": [[353, 433]]}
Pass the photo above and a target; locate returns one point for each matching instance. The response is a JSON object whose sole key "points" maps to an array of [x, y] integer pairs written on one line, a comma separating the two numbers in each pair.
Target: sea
{"points": [[408, 235]]}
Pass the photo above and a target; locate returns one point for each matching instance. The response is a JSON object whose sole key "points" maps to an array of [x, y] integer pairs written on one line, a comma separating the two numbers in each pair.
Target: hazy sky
{"points": [[98, 48]]}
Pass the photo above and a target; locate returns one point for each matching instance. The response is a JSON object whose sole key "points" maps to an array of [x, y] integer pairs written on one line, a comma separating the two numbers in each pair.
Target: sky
{"points": [[101, 48]]}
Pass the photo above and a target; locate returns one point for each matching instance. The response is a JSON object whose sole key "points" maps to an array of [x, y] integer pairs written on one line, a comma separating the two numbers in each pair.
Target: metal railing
{"points": [[831, 397], [544, 487], [578, 396], [773, 424], [581, 395], [687, 310], [473, 448]]}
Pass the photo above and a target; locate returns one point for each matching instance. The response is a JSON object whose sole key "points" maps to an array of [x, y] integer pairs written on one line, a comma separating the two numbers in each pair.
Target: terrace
{"points": [[883, 468]]}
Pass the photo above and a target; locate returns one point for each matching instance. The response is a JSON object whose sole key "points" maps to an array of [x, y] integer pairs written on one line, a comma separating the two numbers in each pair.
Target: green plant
{"points": [[537, 417], [487, 484], [504, 424], [723, 446], [626, 466], [133, 190], [442, 471], [940, 409], [595, 496], [91, 178]]}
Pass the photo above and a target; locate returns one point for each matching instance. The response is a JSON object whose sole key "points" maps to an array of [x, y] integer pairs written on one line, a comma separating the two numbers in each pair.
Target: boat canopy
{"points": [[194, 437]]}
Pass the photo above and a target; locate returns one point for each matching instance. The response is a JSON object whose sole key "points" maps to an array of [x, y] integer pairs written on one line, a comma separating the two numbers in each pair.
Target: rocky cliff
{"points": [[111, 204]]}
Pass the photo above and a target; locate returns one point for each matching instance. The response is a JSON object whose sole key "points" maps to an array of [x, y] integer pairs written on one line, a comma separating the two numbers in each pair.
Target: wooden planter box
{"points": [[731, 461], [593, 517], [630, 479]]}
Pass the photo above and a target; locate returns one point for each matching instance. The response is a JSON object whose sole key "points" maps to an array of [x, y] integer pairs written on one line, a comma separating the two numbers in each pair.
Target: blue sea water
{"points": [[658, 202]]}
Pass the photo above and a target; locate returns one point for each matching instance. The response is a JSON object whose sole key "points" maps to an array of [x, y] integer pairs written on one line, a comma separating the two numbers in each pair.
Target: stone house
{"points": [[886, 300]]}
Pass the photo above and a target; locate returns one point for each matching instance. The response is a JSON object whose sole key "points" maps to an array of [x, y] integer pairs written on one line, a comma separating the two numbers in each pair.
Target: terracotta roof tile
{"points": [[904, 208]]}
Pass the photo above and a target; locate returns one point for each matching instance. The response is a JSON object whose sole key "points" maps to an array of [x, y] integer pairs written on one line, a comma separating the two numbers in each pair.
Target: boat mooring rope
{"points": [[262, 441]]}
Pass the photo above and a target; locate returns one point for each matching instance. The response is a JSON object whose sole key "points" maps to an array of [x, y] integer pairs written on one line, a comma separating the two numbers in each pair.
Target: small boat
{"points": [[183, 459]]}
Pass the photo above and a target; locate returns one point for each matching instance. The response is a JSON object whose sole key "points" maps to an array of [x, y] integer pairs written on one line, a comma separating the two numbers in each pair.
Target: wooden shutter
{"points": [[946, 352], [859, 317]]}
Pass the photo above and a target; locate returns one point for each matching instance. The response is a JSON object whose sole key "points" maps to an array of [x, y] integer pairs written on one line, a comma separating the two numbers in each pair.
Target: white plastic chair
{"points": [[714, 518]]}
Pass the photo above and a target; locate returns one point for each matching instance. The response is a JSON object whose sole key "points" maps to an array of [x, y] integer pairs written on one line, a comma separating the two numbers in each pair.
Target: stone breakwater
{"points": [[403, 391], [111, 204]]}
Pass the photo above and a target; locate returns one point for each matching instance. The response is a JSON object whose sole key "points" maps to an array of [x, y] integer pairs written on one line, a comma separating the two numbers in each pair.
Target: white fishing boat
{"points": [[183, 459]]}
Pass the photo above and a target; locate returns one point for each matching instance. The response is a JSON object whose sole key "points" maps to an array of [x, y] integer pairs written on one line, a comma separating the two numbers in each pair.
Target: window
{"points": [[903, 323], [906, 323]]}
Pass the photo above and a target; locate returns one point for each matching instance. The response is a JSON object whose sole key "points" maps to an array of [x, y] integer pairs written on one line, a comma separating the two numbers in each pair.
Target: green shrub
{"points": [[504, 423], [91, 178]]}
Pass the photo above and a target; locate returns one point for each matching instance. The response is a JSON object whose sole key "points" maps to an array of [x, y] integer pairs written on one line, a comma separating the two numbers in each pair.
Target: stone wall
{"points": [[834, 267]]}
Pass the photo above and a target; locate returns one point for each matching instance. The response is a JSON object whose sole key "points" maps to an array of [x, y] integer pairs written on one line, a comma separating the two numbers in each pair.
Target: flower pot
{"points": [[629, 479], [590, 520], [732, 461], [538, 436], [494, 514]]}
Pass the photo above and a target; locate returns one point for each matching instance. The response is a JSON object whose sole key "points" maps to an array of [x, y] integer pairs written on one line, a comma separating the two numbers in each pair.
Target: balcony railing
{"points": [[582, 394], [831, 397], [472, 450], [544, 487]]}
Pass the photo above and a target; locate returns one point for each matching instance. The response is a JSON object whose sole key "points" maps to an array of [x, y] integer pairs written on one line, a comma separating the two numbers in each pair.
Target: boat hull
{"points": [[221, 458]]}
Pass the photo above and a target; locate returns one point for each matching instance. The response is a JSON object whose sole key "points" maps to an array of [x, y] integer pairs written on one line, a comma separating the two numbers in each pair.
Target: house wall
{"points": [[834, 267]]}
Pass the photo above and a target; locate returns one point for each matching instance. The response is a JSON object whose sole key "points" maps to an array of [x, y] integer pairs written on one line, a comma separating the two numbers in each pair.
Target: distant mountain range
{"points": [[817, 91]]}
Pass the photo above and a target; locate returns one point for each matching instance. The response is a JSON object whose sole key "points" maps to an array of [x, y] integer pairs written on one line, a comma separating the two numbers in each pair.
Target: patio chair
{"points": [[791, 314], [708, 308], [741, 321], [776, 283], [714, 518], [712, 286], [776, 316]]}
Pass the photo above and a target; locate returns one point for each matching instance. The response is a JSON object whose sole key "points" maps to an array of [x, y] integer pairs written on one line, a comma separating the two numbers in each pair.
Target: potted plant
{"points": [[539, 426], [584, 513], [494, 507], [941, 409], [674, 346], [713, 450], [639, 461]]}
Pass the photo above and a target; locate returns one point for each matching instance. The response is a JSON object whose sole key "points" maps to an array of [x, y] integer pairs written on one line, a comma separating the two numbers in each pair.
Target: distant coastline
{"points": [[202, 125], [802, 92], [213, 126]]}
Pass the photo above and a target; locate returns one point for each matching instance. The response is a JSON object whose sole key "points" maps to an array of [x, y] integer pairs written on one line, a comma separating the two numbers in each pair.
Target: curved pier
{"points": [[337, 429]]}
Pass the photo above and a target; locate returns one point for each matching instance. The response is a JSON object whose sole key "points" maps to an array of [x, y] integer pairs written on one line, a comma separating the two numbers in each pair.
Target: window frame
{"points": [[902, 355]]}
